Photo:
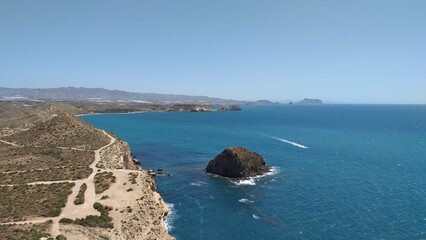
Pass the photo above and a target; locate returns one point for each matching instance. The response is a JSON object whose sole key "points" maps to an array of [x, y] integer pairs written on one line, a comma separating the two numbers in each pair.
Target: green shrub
{"points": [[103, 221], [79, 199], [103, 181], [60, 237]]}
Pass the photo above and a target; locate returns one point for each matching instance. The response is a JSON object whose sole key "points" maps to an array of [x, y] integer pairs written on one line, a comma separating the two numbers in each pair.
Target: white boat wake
{"points": [[289, 142]]}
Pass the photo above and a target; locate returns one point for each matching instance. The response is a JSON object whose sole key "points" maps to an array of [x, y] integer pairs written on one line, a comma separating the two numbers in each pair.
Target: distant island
{"points": [[262, 102], [310, 101]]}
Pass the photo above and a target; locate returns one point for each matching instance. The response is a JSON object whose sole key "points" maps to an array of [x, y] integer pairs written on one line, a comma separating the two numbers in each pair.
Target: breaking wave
{"points": [[171, 216], [199, 183], [245, 200], [251, 181]]}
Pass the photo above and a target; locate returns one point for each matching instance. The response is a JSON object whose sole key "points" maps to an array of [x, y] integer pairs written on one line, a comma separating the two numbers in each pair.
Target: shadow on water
{"points": [[225, 187], [274, 221]]}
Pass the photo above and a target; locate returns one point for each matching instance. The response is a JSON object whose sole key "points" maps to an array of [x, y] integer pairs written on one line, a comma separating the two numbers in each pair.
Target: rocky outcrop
{"points": [[229, 108], [118, 156], [188, 108], [237, 162]]}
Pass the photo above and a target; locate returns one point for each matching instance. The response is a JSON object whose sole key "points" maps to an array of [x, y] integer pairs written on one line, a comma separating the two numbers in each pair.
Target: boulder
{"points": [[237, 162]]}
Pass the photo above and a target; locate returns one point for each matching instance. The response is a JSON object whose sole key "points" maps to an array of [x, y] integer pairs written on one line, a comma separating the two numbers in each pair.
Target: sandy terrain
{"points": [[138, 211]]}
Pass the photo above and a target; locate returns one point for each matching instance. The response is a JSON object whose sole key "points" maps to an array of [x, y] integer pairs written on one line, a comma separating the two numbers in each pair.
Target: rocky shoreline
{"points": [[139, 211]]}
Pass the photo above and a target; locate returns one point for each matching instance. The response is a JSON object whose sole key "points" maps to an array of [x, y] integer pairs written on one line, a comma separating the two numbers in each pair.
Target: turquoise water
{"points": [[343, 171]]}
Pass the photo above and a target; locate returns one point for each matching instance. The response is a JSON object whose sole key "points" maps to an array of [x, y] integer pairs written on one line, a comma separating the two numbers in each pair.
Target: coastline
{"points": [[107, 113], [161, 207], [139, 211]]}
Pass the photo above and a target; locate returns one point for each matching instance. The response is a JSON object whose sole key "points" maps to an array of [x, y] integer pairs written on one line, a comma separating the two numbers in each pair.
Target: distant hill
{"points": [[262, 102], [64, 130], [73, 94], [307, 101], [20, 116]]}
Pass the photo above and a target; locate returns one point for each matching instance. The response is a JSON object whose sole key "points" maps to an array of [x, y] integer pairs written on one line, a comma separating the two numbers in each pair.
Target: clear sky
{"points": [[352, 51]]}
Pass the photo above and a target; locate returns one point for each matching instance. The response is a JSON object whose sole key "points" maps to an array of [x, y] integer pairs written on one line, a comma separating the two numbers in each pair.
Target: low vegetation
{"points": [[79, 199], [65, 130], [13, 233], [19, 202], [52, 174], [19, 116], [132, 177], [26, 231], [60, 237], [102, 221], [103, 181], [30, 158]]}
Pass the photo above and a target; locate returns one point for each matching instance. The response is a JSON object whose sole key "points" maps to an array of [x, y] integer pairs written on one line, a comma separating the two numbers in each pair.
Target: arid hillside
{"points": [[64, 130], [19, 116], [62, 178]]}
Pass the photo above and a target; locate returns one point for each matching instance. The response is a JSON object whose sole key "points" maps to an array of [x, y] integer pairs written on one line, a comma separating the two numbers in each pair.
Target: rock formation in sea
{"points": [[229, 108], [237, 162]]}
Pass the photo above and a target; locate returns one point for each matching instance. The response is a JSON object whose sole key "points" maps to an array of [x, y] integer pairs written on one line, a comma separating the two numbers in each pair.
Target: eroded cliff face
{"points": [[118, 156], [237, 162]]}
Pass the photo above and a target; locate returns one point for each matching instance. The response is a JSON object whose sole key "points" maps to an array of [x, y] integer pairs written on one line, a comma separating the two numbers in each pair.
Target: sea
{"points": [[337, 171]]}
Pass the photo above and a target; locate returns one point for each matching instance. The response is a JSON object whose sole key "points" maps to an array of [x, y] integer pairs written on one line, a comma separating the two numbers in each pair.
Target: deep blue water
{"points": [[362, 175]]}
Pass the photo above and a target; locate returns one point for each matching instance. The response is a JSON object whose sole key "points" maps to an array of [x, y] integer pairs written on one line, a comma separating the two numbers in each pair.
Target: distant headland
{"points": [[309, 101]]}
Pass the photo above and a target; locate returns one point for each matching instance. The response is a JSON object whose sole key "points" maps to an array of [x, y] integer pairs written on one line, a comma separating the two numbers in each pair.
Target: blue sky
{"points": [[355, 51]]}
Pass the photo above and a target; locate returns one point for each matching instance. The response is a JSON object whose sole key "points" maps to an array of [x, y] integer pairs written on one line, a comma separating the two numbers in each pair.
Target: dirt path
{"points": [[41, 182], [10, 143], [36, 220], [73, 211]]}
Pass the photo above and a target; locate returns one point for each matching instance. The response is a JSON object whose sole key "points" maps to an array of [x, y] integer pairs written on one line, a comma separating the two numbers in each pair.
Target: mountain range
{"points": [[73, 94], [82, 94]]}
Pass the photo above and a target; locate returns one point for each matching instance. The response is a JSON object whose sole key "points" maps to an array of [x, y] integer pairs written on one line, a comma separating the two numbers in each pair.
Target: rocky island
{"points": [[237, 162]]}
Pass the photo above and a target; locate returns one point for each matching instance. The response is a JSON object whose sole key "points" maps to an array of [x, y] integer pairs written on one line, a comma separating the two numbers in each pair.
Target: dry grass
{"points": [[27, 231], [54, 174], [20, 202], [18, 116], [30, 158], [65, 131]]}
